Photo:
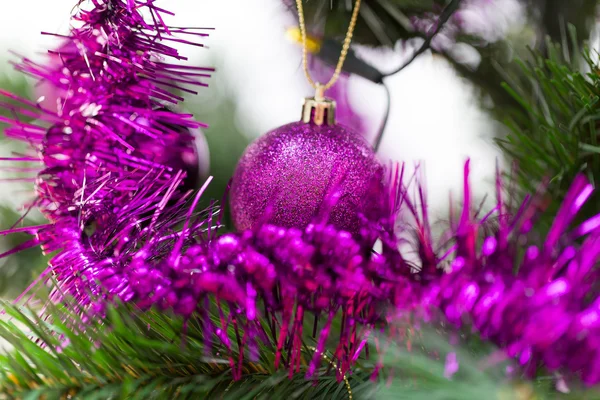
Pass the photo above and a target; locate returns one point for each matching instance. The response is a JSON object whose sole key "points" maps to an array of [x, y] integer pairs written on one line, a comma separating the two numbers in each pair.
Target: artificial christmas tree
{"points": [[151, 298]]}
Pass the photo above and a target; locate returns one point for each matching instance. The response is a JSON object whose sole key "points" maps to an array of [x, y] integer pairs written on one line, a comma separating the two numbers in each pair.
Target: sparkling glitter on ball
{"points": [[186, 150], [292, 169]]}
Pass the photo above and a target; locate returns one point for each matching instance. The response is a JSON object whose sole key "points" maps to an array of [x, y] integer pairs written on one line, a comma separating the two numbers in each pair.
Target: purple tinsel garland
{"points": [[121, 227], [541, 307], [112, 108]]}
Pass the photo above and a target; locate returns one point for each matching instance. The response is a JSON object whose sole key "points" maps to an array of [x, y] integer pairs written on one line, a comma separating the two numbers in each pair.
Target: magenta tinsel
{"points": [[270, 271], [541, 307], [110, 115], [112, 108], [115, 209], [121, 227]]}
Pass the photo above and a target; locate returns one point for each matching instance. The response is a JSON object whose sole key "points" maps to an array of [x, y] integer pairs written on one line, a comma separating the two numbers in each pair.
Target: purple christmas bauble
{"points": [[180, 148], [292, 169]]}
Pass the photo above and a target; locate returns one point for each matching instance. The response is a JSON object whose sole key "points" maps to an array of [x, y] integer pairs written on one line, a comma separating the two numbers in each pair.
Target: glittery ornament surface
{"points": [[284, 176], [181, 148]]}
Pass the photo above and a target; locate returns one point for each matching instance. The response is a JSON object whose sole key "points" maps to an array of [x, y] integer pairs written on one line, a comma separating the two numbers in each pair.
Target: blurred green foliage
{"points": [[381, 22], [18, 270], [225, 138], [17, 84], [385, 22], [226, 142]]}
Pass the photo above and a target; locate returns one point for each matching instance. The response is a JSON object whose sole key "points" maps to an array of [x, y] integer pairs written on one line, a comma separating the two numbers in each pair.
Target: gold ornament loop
{"points": [[319, 92]]}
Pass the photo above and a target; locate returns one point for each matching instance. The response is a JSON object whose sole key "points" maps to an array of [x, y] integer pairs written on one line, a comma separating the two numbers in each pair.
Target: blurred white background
{"points": [[434, 116]]}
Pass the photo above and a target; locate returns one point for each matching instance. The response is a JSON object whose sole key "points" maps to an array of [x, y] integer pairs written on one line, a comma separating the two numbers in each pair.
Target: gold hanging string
{"points": [[332, 363], [320, 88]]}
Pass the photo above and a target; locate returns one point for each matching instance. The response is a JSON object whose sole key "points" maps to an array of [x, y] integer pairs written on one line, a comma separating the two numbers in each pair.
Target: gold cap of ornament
{"points": [[318, 110]]}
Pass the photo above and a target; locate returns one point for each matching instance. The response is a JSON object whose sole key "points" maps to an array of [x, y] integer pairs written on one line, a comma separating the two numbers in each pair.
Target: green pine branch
{"points": [[552, 127], [424, 375], [131, 354], [18, 270], [141, 355]]}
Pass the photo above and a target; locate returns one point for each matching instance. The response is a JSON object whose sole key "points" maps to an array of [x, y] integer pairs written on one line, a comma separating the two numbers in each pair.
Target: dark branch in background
{"points": [[444, 17], [386, 117], [553, 16], [330, 51]]}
